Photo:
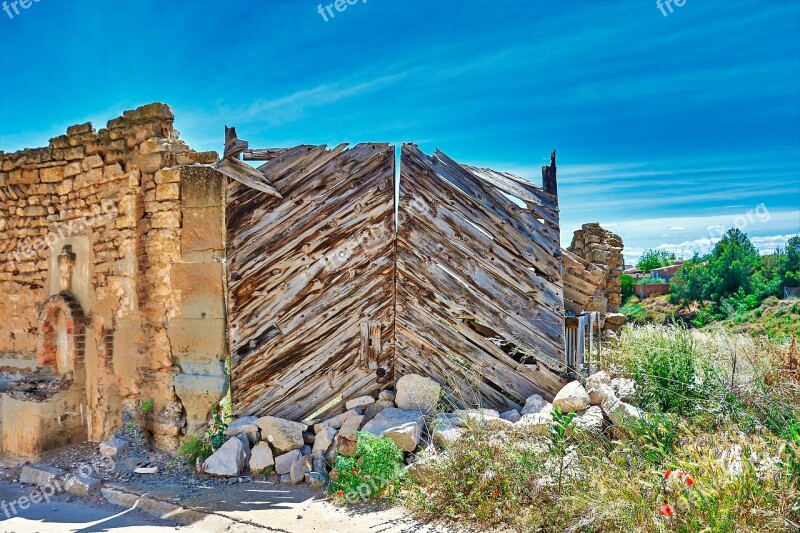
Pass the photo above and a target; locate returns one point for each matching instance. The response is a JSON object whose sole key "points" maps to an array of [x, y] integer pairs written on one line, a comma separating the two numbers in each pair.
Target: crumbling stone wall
{"points": [[601, 247], [143, 217]]}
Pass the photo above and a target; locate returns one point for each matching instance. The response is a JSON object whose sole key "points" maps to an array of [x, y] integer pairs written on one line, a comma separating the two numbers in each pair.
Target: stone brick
{"points": [[73, 169], [69, 154], [166, 220], [80, 128], [29, 176], [51, 174], [40, 475], [201, 187], [168, 191], [197, 288], [93, 161], [197, 340], [202, 230], [112, 171], [148, 162], [82, 485]]}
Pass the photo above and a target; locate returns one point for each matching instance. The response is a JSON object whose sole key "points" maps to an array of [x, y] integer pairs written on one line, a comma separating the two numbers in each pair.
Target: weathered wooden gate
{"points": [[333, 294]]}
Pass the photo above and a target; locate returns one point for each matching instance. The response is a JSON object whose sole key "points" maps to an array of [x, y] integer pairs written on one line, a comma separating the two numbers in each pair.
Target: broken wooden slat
{"points": [[247, 175]]}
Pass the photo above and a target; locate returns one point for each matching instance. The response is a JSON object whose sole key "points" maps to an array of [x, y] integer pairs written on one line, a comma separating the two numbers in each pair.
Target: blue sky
{"points": [[668, 128]]}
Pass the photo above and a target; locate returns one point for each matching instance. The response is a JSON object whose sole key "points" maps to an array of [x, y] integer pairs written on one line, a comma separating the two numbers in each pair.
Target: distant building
{"points": [[666, 273]]}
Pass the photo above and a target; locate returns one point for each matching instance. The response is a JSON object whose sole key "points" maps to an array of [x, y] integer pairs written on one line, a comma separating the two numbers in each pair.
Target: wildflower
{"points": [[689, 481], [667, 510], [496, 493], [667, 473], [355, 470], [340, 493]]}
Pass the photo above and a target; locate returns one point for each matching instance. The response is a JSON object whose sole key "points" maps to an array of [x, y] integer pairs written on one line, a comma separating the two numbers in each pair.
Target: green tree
{"points": [[651, 259], [733, 262], [729, 270], [626, 286]]}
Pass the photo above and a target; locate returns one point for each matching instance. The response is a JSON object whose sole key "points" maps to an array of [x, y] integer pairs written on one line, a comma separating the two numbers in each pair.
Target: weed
{"points": [[374, 468]]}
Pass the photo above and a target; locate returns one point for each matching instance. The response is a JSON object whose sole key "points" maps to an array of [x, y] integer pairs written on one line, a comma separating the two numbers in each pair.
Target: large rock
{"points": [[476, 414], [82, 485], [40, 475], [573, 397], [596, 384], [534, 404], [323, 440], [336, 421], [624, 388], [387, 394], [619, 412], [590, 419], [283, 435], [375, 408], [283, 463], [512, 415], [350, 427], [300, 467], [261, 458], [417, 393], [447, 436], [113, 447], [402, 426], [346, 446], [228, 460], [359, 403], [246, 425]]}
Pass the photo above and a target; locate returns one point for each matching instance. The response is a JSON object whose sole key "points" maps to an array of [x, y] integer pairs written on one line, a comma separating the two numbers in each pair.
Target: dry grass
{"points": [[724, 409]]}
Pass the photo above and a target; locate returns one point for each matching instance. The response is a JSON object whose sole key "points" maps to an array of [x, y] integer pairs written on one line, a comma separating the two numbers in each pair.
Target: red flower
{"points": [[355, 470], [667, 510], [689, 481], [340, 493], [496, 493], [667, 473]]}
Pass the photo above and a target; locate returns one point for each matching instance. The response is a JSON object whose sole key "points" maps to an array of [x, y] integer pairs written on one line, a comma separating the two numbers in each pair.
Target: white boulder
{"points": [[417, 393], [573, 397], [283, 435]]}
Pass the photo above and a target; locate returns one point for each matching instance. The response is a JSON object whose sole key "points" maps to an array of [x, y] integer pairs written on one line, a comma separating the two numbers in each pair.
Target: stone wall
{"points": [[601, 247], [141, 213]]}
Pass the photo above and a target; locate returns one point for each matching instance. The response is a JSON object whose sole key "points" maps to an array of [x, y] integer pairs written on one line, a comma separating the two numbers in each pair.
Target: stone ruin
{"points": [[111, 291], [602, 249]]}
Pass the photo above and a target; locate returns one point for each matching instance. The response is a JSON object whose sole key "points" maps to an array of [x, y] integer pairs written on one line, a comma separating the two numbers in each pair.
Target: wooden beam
{"points": [[246, 175]]}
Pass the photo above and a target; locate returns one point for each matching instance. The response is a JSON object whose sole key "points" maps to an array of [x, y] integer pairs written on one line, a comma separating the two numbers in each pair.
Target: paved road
{"points": [[62, 516]]}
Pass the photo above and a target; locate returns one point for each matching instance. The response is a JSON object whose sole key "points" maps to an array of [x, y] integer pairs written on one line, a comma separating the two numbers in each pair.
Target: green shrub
{"points": [[374, 468], [198, 449], [670, 375]]}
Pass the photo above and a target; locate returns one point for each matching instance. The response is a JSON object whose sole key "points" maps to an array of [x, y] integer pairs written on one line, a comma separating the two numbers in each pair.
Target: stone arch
{"points": [[61, 337]]}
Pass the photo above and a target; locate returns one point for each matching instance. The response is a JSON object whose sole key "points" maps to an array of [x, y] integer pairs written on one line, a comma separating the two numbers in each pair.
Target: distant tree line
{"points": [[735, 277]]}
